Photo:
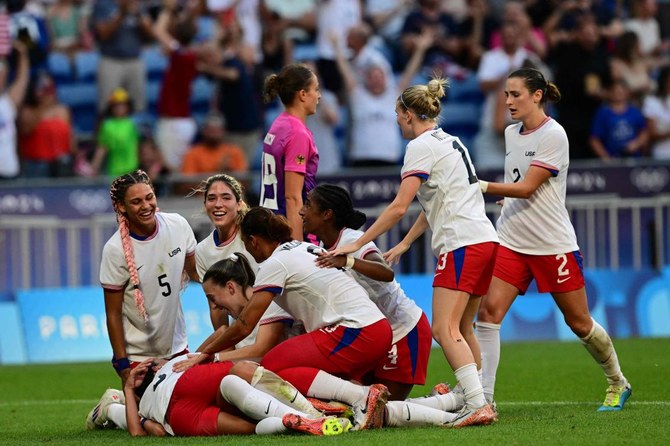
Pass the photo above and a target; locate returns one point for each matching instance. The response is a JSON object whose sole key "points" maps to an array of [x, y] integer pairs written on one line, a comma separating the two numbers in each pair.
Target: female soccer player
{"points": [[198, 403], [225, 207], [538, 240], [329, 214], [346, 335], [290, 158], [437, 170], [142, 275]]}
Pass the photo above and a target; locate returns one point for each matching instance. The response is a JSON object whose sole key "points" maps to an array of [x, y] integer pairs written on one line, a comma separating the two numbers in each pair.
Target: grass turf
{"points": [[547, 393]]}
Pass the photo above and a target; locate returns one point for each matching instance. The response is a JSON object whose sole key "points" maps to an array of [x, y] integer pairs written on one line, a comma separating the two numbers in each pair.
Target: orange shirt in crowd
{"points": [[224, 158]]}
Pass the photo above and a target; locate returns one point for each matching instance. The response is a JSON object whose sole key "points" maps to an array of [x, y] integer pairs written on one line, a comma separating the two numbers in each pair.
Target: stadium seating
{"points": [[60, 67], [155, 62], [86, 66]]}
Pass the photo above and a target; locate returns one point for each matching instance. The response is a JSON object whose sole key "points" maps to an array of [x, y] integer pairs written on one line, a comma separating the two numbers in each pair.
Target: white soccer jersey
{"points": [[318, 297], [402, 313], [539, 225], [160, 263], [449, 193], [156, 399], [208, 253]]}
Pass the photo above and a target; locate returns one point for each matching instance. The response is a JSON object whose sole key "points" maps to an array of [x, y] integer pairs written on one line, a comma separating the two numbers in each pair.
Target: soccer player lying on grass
{"points": [[210, 400]]}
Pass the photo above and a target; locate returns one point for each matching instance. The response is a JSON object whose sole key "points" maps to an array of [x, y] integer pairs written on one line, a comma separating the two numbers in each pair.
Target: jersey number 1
{"points": [[472, 178]]}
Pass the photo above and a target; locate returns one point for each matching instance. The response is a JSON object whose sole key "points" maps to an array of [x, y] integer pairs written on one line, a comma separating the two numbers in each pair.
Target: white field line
{"points": [[27, 403]]}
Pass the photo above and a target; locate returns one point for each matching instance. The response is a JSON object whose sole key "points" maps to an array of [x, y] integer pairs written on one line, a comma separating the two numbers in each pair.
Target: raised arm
{"points": [[388, 218], [344, 66], [424, 41]]}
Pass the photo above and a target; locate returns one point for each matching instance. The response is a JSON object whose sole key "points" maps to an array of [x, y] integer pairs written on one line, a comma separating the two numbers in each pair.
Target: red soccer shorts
{"points": [[468, 268], [554, 273], [193, 410]]}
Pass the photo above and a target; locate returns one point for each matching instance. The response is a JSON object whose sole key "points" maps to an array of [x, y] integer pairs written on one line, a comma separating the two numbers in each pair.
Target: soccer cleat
{"points": [[616, 397], [97, 417], [330, 407], [440, 389], [319, 426], [369, 413], [469, 416]]}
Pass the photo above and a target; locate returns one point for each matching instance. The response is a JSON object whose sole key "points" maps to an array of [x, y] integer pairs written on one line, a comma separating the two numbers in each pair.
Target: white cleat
{"points": [[97, 417]]}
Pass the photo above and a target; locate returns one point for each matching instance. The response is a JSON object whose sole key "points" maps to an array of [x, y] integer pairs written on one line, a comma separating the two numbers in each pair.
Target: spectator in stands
{"points": [[333, 17], [30, 29], [245, 16], [323, 125], [477, 27], [630, 66], [10, 101], [118, 138], [233, 68], [120, 28], [295, 19], [374, 141], [619, 129], [644, 22], [581, 69], [564, 22], [656, 109], [213, 154], [489, 146], [364, 53], [152, 162], [47, 143], [448, 42], [276, 46], [532, 37], [68, 29], [176, 128], [387, 18]]}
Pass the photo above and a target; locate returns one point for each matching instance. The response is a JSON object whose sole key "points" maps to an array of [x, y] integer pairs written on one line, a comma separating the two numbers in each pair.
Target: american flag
{"points": [[5, 39]]}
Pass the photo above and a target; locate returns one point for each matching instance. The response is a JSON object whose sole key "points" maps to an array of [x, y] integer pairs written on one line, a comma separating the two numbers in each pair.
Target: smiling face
{"points": [[222, 207], [139, 205], [229, 297], [312, 216], [520, 102]]}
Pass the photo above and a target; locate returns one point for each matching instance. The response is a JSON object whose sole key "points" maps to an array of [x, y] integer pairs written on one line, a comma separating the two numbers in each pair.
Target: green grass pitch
{"points": [[547, 393]]}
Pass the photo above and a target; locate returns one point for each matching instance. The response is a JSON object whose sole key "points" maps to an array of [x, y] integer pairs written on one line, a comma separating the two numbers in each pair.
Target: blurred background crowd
{"points": [[101, 87]]}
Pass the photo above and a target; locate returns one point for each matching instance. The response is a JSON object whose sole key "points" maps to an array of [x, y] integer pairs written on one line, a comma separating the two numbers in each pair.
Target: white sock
{"points": [[599, 345], [252, 402], [272, 384], [271, 425], [450, 402], [116, 413], [479, 375], [472, 388], [329, 387], [404, 413], [489, 343]]}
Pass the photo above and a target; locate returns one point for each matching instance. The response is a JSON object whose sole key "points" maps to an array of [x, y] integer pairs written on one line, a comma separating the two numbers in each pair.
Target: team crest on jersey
{"points": [[300, 160], [269, 138]]}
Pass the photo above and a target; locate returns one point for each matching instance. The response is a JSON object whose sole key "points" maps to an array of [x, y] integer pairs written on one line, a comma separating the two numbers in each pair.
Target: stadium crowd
{"points": [[175, 85]]}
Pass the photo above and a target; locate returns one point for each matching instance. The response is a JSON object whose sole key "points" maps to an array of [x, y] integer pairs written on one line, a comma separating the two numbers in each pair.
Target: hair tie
{"points": [[233, 257]]}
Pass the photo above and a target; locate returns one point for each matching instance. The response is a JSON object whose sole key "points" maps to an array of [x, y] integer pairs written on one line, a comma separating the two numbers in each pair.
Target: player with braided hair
{"points": [[144, 267]]}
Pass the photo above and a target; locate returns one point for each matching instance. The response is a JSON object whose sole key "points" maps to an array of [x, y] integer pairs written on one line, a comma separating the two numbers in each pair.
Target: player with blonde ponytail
{"points": [[438, 171]]}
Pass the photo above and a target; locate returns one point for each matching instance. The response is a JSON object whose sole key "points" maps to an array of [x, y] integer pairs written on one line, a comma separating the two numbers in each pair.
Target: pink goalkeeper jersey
{"points": [[287, 147]]}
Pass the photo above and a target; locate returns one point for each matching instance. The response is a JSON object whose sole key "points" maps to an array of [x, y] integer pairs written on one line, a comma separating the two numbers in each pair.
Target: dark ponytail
{"points": [[337, 199], [264, 223]]}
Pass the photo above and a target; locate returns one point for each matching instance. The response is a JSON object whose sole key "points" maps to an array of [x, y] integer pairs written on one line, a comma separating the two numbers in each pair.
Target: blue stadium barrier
{"points": [[68, 324]]}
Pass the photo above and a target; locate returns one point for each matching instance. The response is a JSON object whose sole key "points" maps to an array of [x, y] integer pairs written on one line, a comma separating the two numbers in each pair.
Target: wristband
{"points": [[216, 357], [120, 364], [483, 185], [142, 421], [350, 262]]}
